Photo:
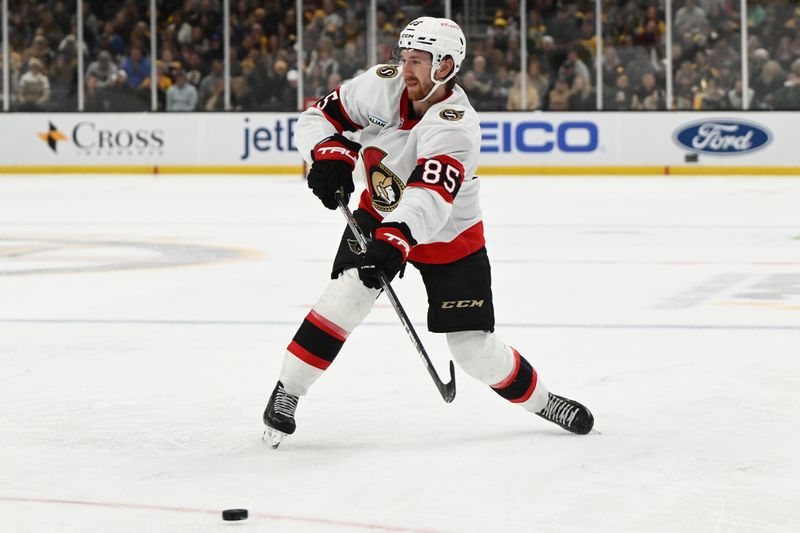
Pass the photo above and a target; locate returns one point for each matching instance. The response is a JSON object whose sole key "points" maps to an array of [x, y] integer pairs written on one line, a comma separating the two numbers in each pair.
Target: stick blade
{"points": [[448, 390]]}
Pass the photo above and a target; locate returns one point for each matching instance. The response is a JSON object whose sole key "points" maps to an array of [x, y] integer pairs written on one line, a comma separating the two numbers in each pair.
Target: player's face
{"points": [[416, 73]]}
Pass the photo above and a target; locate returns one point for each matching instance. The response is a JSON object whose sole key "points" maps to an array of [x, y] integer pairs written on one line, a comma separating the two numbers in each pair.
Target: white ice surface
{"points": [[131, 396]]}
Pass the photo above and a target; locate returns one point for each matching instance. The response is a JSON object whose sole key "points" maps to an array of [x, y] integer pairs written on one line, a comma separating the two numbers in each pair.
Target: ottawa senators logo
{"points": [[451, 114], [384, 185], [387, 71]]}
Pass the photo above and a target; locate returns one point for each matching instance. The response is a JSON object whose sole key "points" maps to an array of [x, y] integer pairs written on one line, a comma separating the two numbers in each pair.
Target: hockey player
{"points": [[417, 137]]}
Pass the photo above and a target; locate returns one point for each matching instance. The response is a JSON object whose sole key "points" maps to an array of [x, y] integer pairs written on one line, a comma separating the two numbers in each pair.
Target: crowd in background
{"points": [[560, 70]]}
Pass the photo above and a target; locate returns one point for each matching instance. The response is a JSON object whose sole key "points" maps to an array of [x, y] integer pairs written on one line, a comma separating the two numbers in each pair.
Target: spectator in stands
{"points": [[690, 18], [784, 54], [171, 64], [242, 99], [275, 86], [684, 91], [350, 61], [470, 86], [334, 80], [118, 96], [48, 27], [217, 100], [136, 67], [40, 49], [567, 72], [770, 80], [641, 64], [582, 97], [734, 97], [579, 67], [68, 47], [194, 67], [102, 69], [287, 99], [550, 55], [64, 83], [722, 53], [711, 97], [514, 100], [164, 83], [34, 87], [208, 83], [182, 96], [91, 26], [483, 81], [139, 36], [788, 97], [500, 32], [539, 79], [501, 87], [315, 83], [620, 96], [558, 98], [648, 96], [323, 58]]}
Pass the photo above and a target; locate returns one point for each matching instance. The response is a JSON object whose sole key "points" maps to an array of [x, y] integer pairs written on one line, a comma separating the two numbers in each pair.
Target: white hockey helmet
{"points": [[441, 38]]}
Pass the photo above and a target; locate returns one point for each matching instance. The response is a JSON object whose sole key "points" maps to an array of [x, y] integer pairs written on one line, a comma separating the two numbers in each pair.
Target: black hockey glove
{"points": [[386, 253], [334, 161]]}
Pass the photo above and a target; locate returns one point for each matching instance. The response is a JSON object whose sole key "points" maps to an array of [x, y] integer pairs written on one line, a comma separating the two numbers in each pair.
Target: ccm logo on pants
{"points": [[462, 304]]}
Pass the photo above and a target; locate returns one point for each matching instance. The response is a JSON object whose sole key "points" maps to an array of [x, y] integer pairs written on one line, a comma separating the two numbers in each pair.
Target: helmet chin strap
{"points": [[436, 83]]}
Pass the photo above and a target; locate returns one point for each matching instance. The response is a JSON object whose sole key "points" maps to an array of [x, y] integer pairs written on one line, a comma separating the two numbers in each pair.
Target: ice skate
{"points": [[568, 414], [279, 416]]}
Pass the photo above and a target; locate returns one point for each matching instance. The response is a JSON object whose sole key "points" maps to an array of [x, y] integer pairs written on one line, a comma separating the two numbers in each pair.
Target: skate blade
{"points": [[273, 437]]}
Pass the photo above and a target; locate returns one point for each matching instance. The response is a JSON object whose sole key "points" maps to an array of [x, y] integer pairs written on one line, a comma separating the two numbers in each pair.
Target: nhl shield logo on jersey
{"points": [[451, 114], [387, 71]]}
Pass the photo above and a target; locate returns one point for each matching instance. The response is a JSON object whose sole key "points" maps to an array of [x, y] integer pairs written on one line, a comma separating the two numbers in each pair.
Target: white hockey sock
{"points": [[485, 357], [341, 307]]}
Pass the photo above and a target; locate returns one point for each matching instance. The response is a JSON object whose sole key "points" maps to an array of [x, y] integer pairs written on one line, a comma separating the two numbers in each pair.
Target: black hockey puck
{"points": [[234, 514]]}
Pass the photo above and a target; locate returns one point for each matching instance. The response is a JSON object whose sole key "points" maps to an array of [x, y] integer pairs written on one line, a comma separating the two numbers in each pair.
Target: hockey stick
{"points": [[447, 390]]}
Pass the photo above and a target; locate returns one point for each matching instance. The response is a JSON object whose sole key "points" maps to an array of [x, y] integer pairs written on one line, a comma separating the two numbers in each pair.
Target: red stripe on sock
{"points": [[512, 376], [307, 357], [524, 398], [327, 326]]}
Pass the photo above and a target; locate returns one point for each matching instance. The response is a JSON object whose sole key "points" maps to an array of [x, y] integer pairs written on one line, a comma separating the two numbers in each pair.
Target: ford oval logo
{"points": [[722, 137]]}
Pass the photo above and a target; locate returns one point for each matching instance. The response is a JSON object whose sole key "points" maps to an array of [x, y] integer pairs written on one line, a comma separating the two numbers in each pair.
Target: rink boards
{"points": [[622, 143]]}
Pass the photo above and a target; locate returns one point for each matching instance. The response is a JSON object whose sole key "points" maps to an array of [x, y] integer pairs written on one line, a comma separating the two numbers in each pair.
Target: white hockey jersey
{"points": [[420, 171]]}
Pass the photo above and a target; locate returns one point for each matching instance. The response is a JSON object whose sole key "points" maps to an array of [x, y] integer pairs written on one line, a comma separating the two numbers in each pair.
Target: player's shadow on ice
{"points": [[463, 440]]}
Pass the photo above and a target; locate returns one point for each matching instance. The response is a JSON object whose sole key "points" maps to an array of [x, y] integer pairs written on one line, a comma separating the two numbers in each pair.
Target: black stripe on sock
{"points": [[521, 383], [317, 341]]}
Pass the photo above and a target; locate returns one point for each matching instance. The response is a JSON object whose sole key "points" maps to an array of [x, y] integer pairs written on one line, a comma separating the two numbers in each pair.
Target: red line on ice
{"points": [[120, 505]]}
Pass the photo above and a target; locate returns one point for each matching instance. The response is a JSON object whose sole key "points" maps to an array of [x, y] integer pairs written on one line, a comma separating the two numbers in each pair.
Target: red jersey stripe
{"points": [[447, 160], [437, 253]]}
